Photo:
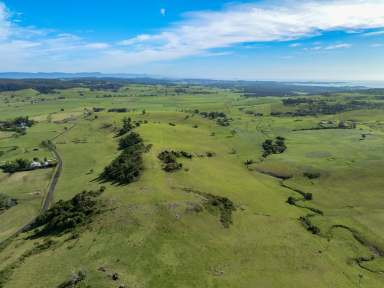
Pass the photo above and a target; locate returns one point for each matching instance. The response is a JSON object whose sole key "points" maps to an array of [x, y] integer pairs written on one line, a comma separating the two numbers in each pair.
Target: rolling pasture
{"points": [[311, 216]]}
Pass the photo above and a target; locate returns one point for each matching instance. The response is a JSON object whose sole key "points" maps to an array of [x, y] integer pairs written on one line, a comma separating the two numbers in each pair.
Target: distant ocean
{"points": [[368, 84]]}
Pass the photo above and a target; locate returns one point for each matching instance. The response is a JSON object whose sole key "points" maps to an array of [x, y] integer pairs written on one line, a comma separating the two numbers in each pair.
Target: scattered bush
{"points": [[213, 202], [306, 221]]}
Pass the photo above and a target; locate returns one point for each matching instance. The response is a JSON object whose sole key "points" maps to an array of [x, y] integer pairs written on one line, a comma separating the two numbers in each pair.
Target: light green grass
{"points": [[149, 236]]}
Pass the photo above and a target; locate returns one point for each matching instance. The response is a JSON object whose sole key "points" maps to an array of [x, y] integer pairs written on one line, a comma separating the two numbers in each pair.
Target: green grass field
{"points": [[149, 232]]}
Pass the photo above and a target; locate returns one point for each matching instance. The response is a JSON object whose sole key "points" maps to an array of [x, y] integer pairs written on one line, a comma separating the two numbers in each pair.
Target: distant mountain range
{"points": [[62, 75]]}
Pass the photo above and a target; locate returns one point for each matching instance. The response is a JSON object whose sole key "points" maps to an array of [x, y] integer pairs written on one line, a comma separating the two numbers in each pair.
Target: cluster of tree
{"points": [[276, 146], [169, 159], [127, 167], [220, 117], [118, 110], [20, 165], [16, 166], [65, 216], [322, 107], [19, 124], [6, 202]]}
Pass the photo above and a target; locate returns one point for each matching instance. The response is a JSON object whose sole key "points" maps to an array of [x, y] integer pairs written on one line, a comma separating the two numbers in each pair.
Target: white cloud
{"points": [[376, 45], [290, 20], [293, 45], [163, 11], [97, 45]]}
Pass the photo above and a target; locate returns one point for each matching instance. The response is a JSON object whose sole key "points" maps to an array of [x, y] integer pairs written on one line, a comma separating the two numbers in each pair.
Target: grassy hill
{"points": [[167, 229]]}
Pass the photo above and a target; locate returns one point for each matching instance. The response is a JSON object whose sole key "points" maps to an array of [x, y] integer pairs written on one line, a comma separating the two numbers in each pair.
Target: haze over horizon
{"points": [[250, 40]]}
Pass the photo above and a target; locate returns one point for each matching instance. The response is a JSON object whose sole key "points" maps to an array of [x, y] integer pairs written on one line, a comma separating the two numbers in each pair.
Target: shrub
{"points": [[291, 200], [6, 202], [312, 175], [118, 110]]}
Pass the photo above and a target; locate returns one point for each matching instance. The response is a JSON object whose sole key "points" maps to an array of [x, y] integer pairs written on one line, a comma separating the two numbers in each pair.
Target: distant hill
{"points": [[62, 75], [48, 82]]}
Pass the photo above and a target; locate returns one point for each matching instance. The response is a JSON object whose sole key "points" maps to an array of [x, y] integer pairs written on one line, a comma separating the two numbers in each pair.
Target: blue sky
{"points": [[266, 40]]}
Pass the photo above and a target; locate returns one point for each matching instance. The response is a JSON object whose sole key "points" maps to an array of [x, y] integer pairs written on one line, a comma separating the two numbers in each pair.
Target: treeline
{"points": [[297, 101], [127, 167], [45, 86], [318, 107]]}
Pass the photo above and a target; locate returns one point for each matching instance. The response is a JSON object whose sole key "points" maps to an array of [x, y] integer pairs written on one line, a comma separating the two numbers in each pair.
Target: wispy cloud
{"points": [[318, 47], [338, 46], [198, 34], [374, 33]]}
